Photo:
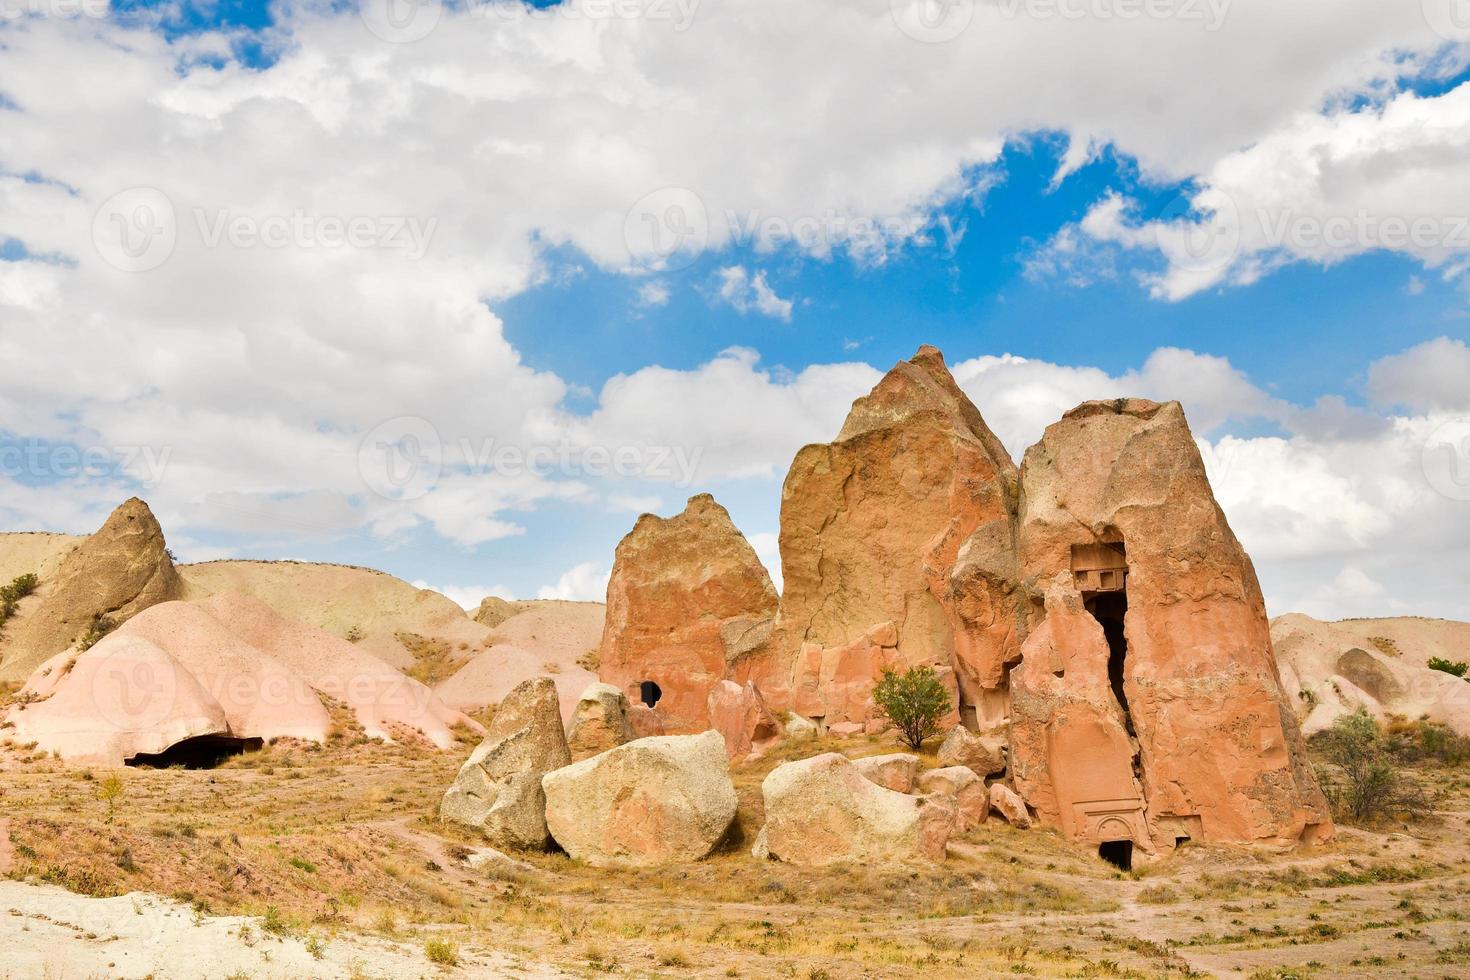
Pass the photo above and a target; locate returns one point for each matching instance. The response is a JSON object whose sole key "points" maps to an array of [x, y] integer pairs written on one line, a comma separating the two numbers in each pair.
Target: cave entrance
{"points": [[1118, 853], [1101, 573], [203, 752], [650, 693]]}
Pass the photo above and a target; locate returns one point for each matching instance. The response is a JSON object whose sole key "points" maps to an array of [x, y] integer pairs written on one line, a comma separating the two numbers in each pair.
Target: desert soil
{"points": [[298, 861]]}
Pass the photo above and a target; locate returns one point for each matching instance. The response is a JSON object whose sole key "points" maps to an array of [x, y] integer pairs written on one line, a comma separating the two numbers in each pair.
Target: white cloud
{"points": [[621, 503], [745, 293], [467, 597], [586, 582], [1434, 375], [653, 294]]}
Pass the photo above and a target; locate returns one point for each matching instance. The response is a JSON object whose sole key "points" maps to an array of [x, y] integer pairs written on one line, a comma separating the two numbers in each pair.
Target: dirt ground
{"points": [[335, 857]]}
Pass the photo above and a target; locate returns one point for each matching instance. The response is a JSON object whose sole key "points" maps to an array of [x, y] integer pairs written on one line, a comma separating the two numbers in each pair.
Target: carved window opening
{"points": [[202, 752], [650, 693]]}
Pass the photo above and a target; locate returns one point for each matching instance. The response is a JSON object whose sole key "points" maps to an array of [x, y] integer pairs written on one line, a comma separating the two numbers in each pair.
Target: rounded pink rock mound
{"points": [[224, 668]]}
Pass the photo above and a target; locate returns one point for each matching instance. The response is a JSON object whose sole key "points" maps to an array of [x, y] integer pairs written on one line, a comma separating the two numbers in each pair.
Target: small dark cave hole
{"points": [[203, 752], [1118, 853], [650, 693]]}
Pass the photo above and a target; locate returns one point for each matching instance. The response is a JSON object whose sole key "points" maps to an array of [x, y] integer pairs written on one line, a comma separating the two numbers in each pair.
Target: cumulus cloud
{"points": [[1432, 376], [586, 582], [745, 293]]}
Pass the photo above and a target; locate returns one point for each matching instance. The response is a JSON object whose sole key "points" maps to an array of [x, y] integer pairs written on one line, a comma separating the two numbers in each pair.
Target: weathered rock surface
{"points": [[1150, 640], [961, 787], [600, 722], [823, 810], [494, 610], [117, 572], [896, 772], [653, 801], [1004, 801], [498, 789], [646, 722], [904, 526], [985, 754], [741, 717], [1379, 665], [687, 601]]}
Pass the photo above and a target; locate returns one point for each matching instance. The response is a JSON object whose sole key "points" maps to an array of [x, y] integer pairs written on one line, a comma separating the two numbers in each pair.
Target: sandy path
{"points": [[49, 932]]}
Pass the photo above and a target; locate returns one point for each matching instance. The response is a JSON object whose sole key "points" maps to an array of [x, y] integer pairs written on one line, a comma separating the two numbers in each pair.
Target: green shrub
{"points": [[10, 595], [1362, 780], [99, 627], [1455, 668], [442, 951], [1422, 741], [914, 702]]}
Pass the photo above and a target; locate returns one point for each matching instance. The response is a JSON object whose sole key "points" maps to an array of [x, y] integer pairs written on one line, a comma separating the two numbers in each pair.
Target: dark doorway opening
{"points": [[1118, 853], [1110, 609], [203, 752], [650, 693]]}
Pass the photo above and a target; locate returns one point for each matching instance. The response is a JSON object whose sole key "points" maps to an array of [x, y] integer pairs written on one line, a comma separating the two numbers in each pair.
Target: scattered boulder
{"points": [[823, 810], [740, 715], [653, 801], [967, 792], [600, 722], [116, 573], [687, 602], [985, 755], [896, 772], [498, 790], [798, 727], [494, 610], [1003, 800]]}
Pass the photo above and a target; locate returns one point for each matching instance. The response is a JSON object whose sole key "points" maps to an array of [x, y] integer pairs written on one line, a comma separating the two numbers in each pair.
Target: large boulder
{"points": [[1147, 706], [984, 754], [823, 810], [654, 801], [498, 790], [116, 573], [599, 722], [959, 786], [1004, 801], [687, 602], [740, 715], [898, 549]]}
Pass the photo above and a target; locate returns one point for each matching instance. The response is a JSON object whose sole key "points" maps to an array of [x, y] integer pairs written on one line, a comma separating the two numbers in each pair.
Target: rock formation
{"points": [[898, 549], [1147, 707], [115, 573], [498, 790], [964, 790], [982, 754], [740, 715], [823, 810], [653, 801], [599, 722], [896, 772], [687, 601], [1004, 801]]}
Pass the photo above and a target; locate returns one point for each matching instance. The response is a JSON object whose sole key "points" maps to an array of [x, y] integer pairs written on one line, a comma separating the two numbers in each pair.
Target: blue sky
{"points": [[1038, 221]]}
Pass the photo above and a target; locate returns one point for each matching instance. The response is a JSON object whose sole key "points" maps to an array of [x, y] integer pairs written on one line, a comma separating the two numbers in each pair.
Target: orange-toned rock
{"points": [[983, 755], [1004, 801], [907, 520], [600, 722], [1151, 653], [896, 772], [965, 790], [646, 722], [116, 573], [741, 716], [687, 601]]}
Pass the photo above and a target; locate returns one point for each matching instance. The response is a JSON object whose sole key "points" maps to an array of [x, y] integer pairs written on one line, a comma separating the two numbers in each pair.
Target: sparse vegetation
{"points": [[442, 952], [914, 701], [10, 595], [110, 792], [1455, 668], [1362, 779], [99, 627]]}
